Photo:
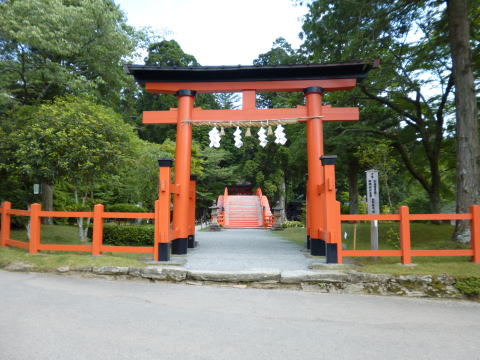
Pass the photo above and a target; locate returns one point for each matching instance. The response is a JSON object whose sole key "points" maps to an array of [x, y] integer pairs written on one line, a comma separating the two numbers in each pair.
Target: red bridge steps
{"points": [[244, 211]]}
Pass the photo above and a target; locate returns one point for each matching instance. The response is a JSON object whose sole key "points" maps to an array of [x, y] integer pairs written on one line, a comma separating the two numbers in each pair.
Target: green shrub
{"points": [[392, 238], [469, 286], [125, 208], [126, 235], [292, 224]]}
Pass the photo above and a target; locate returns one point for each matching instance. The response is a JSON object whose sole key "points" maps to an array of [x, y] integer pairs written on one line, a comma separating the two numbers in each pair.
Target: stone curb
{"points": [[326, 281], [235, 276], [301, 276]]}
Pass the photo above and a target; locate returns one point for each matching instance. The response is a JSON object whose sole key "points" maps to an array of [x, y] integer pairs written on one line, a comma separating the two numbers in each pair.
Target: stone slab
{"points": [[299, 276], [174, 261], [234, 276], [19, 266], [110, 270], [163, 273]]}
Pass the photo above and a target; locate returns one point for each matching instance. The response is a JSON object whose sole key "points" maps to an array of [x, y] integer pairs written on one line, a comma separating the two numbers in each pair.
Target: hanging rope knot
{"points": [[262, 137], [237, 137], [214, 137], [280, 137]]}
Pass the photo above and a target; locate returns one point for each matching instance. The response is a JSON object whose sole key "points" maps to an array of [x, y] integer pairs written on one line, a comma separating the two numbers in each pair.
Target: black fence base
{"points": [[191, 241], [317, 247], [307, 242], [180, 246], [164, 252], [332, 254]]}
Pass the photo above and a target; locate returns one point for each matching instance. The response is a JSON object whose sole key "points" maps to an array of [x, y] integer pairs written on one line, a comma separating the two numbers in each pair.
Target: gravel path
{"points": [[245, 249]]}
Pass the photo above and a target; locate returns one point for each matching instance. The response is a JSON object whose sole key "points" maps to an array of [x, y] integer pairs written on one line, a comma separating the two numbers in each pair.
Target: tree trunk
{"points": [[47, 202], [435, 203], [283, 202], [468, 142], [352, 172]]}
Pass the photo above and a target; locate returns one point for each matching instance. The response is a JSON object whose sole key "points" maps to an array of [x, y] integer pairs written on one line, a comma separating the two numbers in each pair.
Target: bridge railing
{"points": [[267, 217]]}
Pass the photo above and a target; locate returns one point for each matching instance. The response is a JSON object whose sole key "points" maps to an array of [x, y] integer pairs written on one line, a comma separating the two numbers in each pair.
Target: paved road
{"points": [[245, 249], [53, 317]]}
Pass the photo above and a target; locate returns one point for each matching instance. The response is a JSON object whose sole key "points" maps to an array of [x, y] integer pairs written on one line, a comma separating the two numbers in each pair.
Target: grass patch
{"points": [[52, 234], [457, 266], [424, 236], [50, 260]]}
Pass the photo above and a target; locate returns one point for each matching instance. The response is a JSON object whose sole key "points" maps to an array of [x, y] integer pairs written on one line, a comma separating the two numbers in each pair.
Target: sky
{"points": [[219, 32]]}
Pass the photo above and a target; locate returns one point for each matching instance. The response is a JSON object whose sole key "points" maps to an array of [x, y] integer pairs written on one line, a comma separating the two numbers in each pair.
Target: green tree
{"points": [[71, 139], [410, 116], [59, 47], [219, 171], [466, 109], [378, 156]]}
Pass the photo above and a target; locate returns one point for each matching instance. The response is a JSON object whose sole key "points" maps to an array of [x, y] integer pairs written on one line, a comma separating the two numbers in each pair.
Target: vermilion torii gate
{"points": [[323, 211]]}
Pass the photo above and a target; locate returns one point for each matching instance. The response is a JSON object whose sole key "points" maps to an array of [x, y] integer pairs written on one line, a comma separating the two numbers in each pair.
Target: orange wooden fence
{"points": [[163, 232], [96, 247], [406, 252], [98, 214]]}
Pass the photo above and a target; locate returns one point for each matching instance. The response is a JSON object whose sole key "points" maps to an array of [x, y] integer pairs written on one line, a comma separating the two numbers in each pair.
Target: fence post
{"points": [[475, 232], [191, 210], [307, 216], [156, 231], [35, 224], [405, 244], [162, 220], [97, 236], [332, 235], [6, 218]]}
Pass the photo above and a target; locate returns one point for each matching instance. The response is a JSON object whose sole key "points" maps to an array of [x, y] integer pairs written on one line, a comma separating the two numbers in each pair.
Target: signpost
{"points": [[373, 205]]}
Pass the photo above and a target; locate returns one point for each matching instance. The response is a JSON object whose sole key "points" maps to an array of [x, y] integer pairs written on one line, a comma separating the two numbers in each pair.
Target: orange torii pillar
{"points": [[191, 209], [315, 208], [181, 201]]}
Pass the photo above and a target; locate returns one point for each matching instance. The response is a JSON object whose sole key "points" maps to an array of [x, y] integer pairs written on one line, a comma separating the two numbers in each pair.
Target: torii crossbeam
{"points": [[322, 228]]}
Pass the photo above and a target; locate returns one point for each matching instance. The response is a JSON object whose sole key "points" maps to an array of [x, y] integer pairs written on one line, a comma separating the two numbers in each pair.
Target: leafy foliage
{"points": [[125, 208], [469, 286], [59, 47], [127, 235], [408, 98], [71, 138]]}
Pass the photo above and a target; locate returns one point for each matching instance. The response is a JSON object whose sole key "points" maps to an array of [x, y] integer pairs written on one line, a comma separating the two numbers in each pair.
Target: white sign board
{"points": [[36, 189], [373, 205], [373, 192]]}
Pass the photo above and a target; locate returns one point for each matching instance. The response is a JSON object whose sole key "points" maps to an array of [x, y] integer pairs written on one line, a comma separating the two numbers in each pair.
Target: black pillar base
{"points": [[332, 254], [164, 252], [317, 247], [191, 241], [307, 243], [180, 246]]}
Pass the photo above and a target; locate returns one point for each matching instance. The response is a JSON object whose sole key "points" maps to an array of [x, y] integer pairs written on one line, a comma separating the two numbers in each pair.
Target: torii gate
{"points": [[323, 211]]}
